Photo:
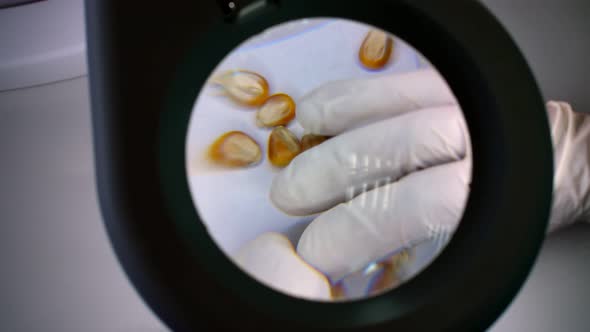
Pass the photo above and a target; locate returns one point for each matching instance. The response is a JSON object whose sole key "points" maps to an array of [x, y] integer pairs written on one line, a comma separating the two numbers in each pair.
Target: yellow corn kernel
{"points": [[277, 110], [235, 149], [398, 260], [309, 141], [376, 49], [337, 291], [283, 146], [388, 277], [244, 87], [386, 280]]}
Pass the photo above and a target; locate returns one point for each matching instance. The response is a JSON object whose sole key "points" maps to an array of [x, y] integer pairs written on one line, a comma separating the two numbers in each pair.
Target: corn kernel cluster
{"points": [[247, 88], [237, 149]]}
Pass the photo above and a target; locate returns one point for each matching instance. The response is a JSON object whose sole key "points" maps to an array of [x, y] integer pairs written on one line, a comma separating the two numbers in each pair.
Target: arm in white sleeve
{"points": [[570, 133]]}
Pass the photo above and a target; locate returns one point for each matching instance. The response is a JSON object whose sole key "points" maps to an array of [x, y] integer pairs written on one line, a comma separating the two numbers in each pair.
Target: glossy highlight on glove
{"points": [[375, 279], [388, 276]]}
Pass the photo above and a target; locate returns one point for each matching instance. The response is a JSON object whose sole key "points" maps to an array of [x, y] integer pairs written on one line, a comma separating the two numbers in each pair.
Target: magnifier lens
{"points": [[311, 132]]}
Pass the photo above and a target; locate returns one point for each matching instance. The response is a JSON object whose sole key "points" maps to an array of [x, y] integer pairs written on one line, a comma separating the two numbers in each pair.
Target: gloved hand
{"points": [[396, 174]]}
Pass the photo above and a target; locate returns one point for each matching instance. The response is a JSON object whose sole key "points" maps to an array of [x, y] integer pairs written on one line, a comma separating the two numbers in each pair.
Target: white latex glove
{"points": [[396, 173], [272, 260]]}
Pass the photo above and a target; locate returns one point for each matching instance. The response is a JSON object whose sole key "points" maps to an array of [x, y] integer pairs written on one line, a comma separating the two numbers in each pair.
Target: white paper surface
{"points": [[295, 59]]}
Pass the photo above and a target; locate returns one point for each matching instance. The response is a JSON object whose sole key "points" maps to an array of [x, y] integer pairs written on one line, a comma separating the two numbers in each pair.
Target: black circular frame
{"points": [[192, 285]]}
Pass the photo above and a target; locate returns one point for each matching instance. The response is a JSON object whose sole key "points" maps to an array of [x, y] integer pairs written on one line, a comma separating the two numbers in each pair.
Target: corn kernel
{"points": [[277, 110], [388, 278], [235, 149], [376, 49], [244, 87], [337, 291], [309, 141], [283, 146]]}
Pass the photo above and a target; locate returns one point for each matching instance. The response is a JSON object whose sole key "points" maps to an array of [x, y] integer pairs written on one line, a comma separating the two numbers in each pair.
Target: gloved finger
{"points": [[425, 205], [272, 260], [341, 105], [356, 161]]}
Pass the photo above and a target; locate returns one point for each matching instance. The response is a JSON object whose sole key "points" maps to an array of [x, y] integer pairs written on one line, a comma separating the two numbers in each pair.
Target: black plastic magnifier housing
{"points": [[148, 62]]}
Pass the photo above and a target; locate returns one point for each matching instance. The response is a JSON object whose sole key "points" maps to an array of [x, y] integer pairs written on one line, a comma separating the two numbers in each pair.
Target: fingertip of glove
{"points": [[308, 115], [280, 197]]}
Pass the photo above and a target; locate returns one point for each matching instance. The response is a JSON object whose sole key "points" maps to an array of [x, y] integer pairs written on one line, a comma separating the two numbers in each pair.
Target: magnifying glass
{"points": [[235, 150], [177, 224]]}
